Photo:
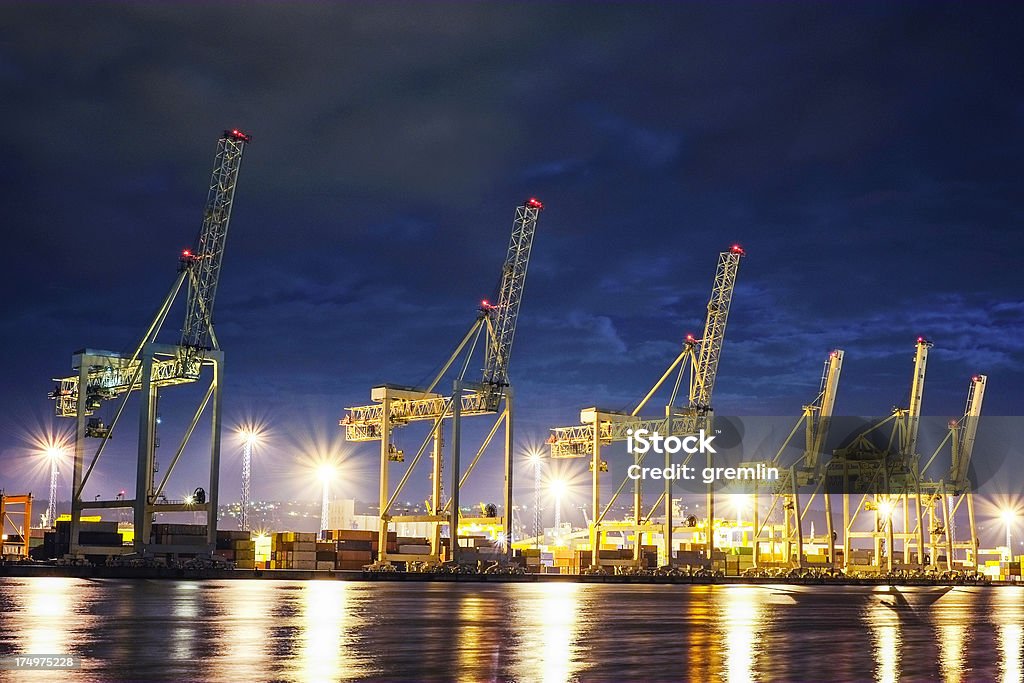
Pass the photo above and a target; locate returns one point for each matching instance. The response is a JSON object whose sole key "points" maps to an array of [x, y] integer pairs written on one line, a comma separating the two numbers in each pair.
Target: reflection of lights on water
{"points": [[326, 632], [1007, 618], [951, 651], [545, 621], [244, 615], [741, 613], [472, 634], [1010, 638], [559, 630], [185, 610], [49, 604], [885, 633]]}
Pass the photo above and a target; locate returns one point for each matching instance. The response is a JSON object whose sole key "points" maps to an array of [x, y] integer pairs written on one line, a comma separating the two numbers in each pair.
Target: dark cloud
{"points": [[867, 155]]}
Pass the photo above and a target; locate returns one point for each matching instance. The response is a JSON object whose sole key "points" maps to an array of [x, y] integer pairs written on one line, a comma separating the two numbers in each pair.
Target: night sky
{"points": [[867, 156]]}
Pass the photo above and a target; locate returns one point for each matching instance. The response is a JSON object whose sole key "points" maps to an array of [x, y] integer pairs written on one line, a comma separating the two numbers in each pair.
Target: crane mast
{"points": [[203, 261]]}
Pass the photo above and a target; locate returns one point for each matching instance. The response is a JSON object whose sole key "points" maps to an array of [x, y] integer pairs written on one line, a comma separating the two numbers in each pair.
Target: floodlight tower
{"points": [[326, 474], [53, 454], [249, 439], [104, 376], [535, 459], [396, 406]]}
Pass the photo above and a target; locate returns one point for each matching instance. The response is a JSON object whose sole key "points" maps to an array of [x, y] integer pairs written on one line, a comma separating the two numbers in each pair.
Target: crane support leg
{"points": [[508, 474], [453, 524]]}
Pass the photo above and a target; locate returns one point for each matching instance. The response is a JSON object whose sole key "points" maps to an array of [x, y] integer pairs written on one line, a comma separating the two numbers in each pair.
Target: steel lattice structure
{"points": [[513, 280], [243, 522], [203, 262]]}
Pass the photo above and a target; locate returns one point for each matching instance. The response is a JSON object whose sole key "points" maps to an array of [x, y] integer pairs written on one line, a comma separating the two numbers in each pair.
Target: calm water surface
{"points": [[333, 630]]}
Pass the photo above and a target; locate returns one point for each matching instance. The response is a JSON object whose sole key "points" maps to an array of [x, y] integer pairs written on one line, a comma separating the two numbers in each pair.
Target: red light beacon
{"points": [[535, 203], [238, 135]]}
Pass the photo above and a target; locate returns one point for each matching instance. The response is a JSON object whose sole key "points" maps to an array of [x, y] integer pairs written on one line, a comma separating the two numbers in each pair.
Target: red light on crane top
{"points": [[737, 249], [236, 134], [976, 379], [186, 253], [534, 203], [690, 338], [920, 340]]}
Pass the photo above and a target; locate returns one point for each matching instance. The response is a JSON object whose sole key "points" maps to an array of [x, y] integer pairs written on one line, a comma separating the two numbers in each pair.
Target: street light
{"points": [[54, 454], [325, 473]]}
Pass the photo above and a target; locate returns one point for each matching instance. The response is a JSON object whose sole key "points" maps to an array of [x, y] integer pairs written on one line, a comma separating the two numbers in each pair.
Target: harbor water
{"points": [[264, 630]]}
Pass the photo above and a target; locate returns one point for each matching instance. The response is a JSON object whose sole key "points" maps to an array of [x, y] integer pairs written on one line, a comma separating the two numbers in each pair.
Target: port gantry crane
{"points": [[884, 472], [945, 497], [603, 427], [396, 406], [804, 471], [103, 376]]}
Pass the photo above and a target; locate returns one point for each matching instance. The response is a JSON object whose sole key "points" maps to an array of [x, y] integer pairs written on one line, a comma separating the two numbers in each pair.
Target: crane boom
{"points": [[513, 280], [203, 262], [703, 381], [916, 395], [818, 431], [967, 429]]}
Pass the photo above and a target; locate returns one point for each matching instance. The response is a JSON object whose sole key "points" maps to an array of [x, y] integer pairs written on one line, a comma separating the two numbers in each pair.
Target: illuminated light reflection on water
{"points": [[741, 619], [330, 631]]}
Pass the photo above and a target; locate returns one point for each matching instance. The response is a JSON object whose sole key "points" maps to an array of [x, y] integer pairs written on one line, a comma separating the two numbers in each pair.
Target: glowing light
{"points": [[885, 509], [190, 499], [250, 436], [535, 456], [737, 249], [326, 473], [534, 203]]}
